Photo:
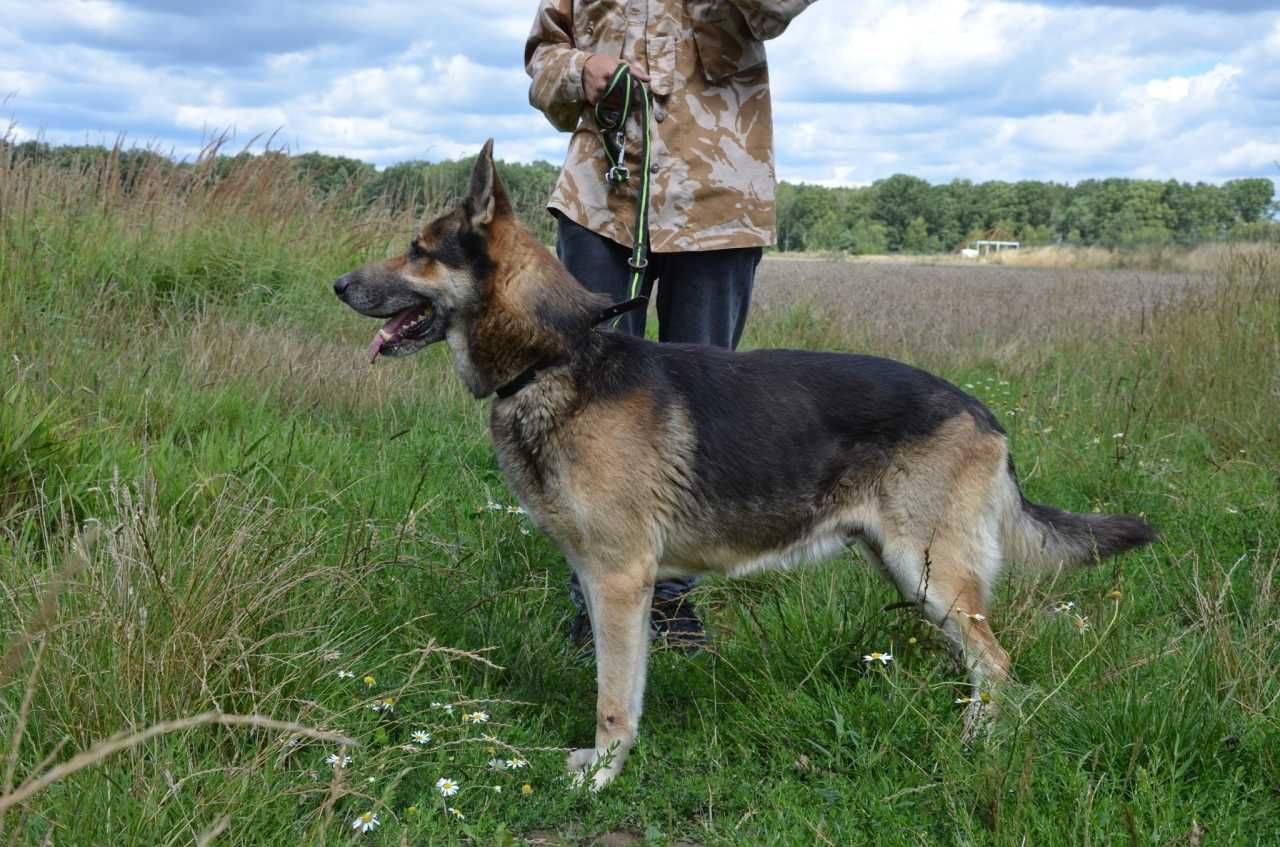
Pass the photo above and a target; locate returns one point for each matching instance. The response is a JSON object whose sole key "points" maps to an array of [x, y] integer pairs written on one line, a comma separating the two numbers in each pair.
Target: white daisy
{"points": [[497, 764], [492, 506], [420, 736], [337, 761], [475, 717], [876, 656], [346, 675], [516, 764], [1064, 606], [457, 814], [366, 822], [446, 787], [515, 510]]}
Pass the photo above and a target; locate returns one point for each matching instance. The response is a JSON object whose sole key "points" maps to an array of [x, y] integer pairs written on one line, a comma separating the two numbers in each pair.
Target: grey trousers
{"points": [[702, 298]]}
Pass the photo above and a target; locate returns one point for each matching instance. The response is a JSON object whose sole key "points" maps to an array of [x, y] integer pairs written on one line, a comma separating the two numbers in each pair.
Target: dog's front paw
{"points": [[601, 767], [580, 759]]}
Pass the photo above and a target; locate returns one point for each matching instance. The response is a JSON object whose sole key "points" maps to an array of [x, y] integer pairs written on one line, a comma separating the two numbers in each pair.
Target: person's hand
{"points": [[599, 70]]}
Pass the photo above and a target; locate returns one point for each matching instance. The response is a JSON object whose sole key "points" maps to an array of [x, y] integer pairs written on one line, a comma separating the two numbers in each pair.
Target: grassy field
{"points": [[227, 543]]}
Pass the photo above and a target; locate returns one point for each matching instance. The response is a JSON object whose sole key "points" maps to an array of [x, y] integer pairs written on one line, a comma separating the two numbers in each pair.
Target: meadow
{"points": [[255, 590]]}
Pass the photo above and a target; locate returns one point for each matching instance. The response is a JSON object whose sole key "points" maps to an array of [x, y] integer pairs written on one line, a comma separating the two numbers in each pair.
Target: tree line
{"points": [[898, 214]]}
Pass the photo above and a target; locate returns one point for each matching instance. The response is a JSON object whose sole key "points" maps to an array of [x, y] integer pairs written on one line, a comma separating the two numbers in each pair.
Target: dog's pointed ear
{"points": [[481, 196]]}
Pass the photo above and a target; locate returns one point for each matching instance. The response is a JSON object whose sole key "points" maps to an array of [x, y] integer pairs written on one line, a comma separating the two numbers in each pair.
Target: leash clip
{"points": [[638, 263], [618, 174]]}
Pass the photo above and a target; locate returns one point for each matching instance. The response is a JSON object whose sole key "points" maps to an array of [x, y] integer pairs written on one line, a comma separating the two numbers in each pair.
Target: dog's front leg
{"points": [[618, 603]]}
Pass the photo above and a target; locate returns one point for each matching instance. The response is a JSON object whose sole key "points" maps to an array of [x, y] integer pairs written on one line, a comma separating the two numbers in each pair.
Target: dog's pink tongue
{"points": [[388, 333]]}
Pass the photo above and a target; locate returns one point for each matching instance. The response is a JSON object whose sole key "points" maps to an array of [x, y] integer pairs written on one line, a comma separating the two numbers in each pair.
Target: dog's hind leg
{"points": [[618, 603], [951, 580]]}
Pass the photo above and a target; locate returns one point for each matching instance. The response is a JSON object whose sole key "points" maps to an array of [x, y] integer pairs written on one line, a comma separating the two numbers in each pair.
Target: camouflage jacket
{"points": [[712, 173]]}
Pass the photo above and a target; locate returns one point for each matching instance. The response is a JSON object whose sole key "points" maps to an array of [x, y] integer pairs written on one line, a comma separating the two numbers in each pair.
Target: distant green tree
{"points": [[1250, 199], [899, 200]]}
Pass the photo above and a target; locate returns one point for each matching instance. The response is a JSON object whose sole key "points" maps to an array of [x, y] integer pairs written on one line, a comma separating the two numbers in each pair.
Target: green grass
{"points": [[205, 495]]}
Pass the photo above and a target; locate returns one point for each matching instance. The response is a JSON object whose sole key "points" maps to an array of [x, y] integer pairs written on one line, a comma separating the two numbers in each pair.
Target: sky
{"points": [[863, 89]]}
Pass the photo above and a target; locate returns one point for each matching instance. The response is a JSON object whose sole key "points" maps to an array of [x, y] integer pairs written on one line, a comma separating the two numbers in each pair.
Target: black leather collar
{"points": [[527, 375]]}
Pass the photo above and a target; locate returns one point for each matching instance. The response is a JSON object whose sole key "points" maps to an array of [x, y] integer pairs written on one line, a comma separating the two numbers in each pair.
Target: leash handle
{"points": [[613, 135]]}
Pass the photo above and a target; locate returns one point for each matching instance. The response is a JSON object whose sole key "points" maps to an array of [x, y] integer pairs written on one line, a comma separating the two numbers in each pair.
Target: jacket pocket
{"points": [[724, 42]]}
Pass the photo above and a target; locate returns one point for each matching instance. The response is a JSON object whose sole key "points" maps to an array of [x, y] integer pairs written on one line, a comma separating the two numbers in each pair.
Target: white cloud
{"points": [[889, 47]]}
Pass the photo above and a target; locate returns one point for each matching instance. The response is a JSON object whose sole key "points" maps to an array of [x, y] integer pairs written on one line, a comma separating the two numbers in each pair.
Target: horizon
{"points": [[248, 150]]}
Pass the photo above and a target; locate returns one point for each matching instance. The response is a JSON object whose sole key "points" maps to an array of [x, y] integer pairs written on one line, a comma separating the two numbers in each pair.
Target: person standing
{"points": [[712, 177]]}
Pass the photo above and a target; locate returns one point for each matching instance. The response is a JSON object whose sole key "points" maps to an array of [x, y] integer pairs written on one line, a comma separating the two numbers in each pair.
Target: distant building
{"points": [[986, 246]]}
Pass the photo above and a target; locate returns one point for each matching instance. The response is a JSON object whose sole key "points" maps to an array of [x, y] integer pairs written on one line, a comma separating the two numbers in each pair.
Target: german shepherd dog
{"points": [[644, 461]]}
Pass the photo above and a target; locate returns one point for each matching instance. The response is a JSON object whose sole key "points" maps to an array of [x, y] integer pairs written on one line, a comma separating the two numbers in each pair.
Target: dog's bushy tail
{"points": [[1050, 538]]}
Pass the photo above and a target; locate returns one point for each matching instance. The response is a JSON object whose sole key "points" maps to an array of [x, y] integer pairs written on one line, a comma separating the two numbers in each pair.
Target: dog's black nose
{"points": [[341, 285]]}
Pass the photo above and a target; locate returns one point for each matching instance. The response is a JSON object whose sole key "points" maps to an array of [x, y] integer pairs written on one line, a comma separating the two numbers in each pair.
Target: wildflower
{"points": [[337, 761], [1232, 511], [446, 787], [526, 790], [1118, 435], [1064, 606], [1115, 594], [1097, 440], [366, 822], [420, 736], [497, 789], [387, 705], [491, 506], [875, 656], [1081, 623], [346, 675], [475, 717], [447, 707], [457, 814], [371, 780], [911, 640], [497, 764], [515, 510], [983, 697], [516, 764], [369, 680], [976, 617], [524, 530]]}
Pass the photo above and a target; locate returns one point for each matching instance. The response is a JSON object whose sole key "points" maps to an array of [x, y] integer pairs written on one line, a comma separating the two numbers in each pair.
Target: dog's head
{"points": [[439, 279], [477, 278]]}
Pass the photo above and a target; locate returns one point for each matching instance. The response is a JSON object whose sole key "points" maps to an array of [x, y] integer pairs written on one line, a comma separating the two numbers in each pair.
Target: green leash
{"points": [[613, 132]]}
